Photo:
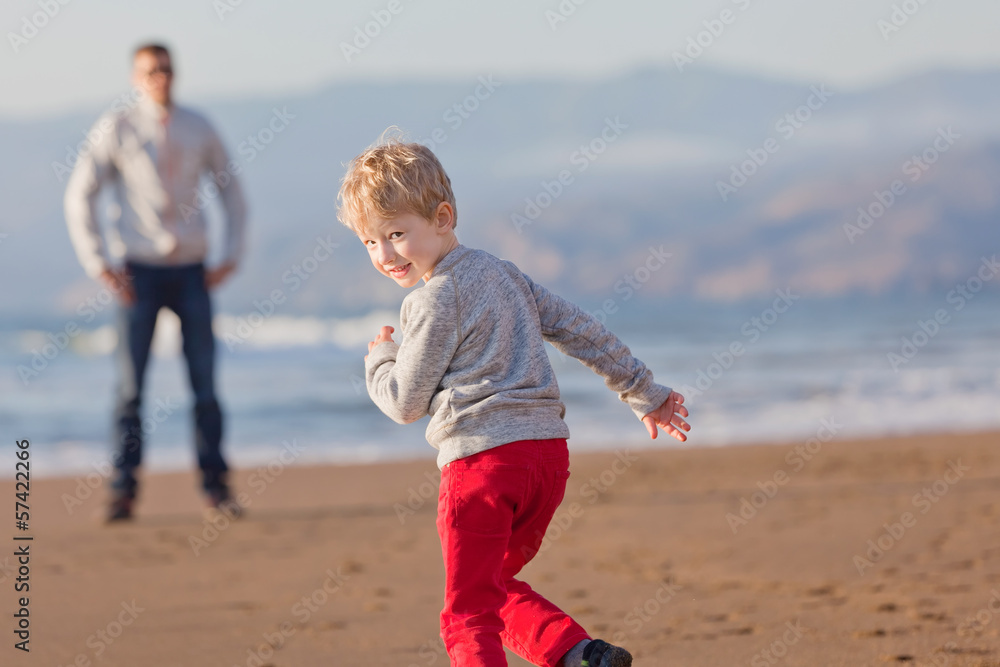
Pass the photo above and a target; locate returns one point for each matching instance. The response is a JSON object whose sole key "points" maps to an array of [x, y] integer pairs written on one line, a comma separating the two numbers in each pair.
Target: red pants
{"points": [[493, 510]]}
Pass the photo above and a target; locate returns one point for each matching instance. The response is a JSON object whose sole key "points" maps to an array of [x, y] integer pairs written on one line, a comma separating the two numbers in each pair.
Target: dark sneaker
{"points": [[221, 501], [120, 509], [599, 653]]}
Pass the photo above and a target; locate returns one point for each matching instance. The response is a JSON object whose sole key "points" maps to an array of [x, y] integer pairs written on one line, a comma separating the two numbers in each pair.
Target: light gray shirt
{"points": [[472, 356], [154, 158]]}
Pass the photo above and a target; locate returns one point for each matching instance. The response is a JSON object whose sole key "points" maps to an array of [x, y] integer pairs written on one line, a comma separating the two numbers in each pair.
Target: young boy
{"points": [[472, 357]]}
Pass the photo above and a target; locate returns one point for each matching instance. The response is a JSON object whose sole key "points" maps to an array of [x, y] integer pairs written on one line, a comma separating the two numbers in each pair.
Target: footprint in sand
{"points": [[327, 626], [961, 565], [953, 588], [882, 632], [352, 566], [939, 616], [865, 634], [902, 657], [970, 650], [827, 589]]}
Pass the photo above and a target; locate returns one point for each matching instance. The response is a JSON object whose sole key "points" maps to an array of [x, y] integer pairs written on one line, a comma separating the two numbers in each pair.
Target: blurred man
{"points": [[154, 154]]}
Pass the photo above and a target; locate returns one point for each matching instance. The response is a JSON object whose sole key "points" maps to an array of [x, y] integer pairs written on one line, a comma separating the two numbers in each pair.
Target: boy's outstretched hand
{"points": [[384, 336], [669, 417]]}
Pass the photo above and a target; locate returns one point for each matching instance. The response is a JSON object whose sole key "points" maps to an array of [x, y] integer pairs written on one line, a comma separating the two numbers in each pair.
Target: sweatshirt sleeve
{"points": [[403, 378], [580, 335], [233, 201], [93, 169]]}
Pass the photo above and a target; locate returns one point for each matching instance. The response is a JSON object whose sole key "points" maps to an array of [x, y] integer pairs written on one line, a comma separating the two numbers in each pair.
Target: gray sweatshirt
{"points": [[472, 356], [154, 157]]}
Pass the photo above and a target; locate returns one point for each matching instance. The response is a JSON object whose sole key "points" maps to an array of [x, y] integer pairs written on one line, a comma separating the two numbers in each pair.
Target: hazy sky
{"points": [[79, 58]]}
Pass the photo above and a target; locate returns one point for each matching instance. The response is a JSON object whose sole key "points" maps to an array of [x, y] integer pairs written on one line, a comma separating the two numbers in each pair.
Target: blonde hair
{"points": [[391, 178]]}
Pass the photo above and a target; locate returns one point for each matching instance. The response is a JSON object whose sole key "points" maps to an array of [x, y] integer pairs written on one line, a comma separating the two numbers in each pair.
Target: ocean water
{"points": [[821, 367]]}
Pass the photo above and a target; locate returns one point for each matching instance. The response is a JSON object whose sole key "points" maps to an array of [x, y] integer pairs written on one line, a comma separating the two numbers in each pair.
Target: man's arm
{"points": [[402, 379], [579, 334], [234, 205], [93, 169]]}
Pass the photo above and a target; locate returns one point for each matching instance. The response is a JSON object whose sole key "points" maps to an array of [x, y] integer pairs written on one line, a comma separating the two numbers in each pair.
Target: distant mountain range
{"points": [[707, 184]]}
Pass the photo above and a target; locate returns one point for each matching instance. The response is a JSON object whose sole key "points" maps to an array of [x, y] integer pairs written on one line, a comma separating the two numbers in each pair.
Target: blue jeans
{"points": [[182, 290]]}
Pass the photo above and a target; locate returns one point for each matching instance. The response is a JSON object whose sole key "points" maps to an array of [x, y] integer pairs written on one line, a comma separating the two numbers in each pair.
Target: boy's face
{"points": [[408, 247]]}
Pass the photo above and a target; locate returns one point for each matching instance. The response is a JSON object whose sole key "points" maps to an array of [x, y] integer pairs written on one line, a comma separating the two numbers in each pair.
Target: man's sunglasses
{"points": [[165, 71]]}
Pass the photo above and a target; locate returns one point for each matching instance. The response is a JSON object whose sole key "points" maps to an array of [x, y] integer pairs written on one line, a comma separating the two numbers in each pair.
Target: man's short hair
{"points": [[152, 49], [390, 179]]}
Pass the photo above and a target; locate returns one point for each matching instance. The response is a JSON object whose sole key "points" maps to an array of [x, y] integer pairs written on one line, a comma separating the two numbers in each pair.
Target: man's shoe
{"points": [[220, 501], [120, 509]]}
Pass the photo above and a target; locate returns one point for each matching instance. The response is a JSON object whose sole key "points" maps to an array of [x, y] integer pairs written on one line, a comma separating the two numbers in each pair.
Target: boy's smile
{"points": [[408, 247], [400, 272]]}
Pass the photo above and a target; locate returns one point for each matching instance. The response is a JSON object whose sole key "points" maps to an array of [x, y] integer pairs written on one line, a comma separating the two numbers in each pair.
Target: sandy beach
{"points": [[832, 553]]}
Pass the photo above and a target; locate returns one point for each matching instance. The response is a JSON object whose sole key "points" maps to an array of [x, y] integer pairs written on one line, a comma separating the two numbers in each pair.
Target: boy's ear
{"points": [[444, 217]]}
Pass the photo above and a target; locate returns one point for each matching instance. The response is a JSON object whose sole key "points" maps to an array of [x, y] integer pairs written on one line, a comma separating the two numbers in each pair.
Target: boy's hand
{"points": [[384, 336], [669, 417]]}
